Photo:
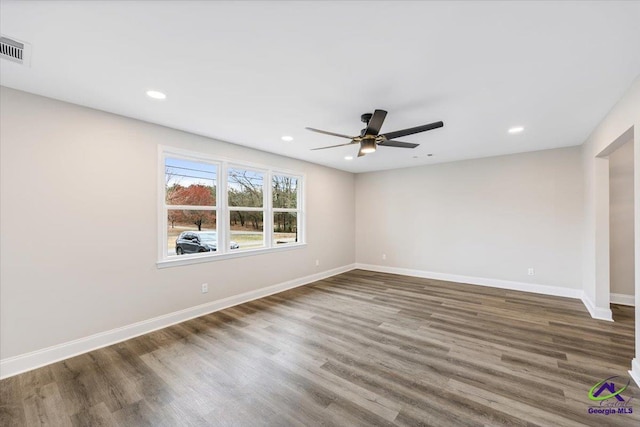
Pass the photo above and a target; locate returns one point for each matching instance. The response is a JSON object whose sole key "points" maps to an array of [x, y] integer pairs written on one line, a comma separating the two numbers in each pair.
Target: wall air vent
{"points": [[14, 50]]}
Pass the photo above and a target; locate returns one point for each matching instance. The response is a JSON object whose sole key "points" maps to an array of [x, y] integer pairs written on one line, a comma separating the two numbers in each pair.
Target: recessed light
{"points": [[516, 129], [348, 157], [156, 94], [287, 138]]}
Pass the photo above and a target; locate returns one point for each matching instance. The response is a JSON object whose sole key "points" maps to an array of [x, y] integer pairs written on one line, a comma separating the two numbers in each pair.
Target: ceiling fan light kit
{"points": [[368, 146], [370, 137]]}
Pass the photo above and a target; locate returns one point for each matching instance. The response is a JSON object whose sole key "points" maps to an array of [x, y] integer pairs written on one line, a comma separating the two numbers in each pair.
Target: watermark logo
{"points": [[607, 385], [608, 394]]}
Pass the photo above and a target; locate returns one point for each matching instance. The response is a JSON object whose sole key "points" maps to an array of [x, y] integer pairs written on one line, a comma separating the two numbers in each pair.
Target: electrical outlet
{"points": [[531, 271], [205, 288], [317, 262], [384, 256]]}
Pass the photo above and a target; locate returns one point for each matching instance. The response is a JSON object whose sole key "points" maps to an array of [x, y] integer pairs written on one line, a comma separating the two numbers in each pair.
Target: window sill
{"points": [[207, 257]]}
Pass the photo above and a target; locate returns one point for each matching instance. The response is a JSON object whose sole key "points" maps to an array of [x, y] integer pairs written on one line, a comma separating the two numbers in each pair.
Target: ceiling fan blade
{"points": [[334, 146], [374, 125], [398, 144], [329, 133], [411, 131]]}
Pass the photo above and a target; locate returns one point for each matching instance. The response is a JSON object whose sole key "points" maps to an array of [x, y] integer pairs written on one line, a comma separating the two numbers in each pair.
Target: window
{"points": [[190, 199], [257, 209], [246, 207], [286, 209]]}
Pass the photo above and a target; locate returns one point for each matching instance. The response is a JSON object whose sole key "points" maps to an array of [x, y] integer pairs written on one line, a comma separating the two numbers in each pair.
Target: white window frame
{"points": [[265, 191], [298, 210], [222, 209]]}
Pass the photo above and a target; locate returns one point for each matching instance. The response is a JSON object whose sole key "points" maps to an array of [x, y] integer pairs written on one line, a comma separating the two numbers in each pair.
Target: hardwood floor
{"points": [[360, 348]]}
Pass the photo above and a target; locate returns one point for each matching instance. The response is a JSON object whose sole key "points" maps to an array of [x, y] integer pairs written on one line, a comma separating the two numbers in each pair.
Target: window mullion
{"points": [[190, 208], [223, 213], [300, 204], [245, 209], [268, 211]]}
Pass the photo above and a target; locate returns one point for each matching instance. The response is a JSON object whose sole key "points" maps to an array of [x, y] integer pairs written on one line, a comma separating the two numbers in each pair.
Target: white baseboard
{"points": [[622, 299], [599, 313], [595, 312], [635, 371], [25, 362], [481, 281]]}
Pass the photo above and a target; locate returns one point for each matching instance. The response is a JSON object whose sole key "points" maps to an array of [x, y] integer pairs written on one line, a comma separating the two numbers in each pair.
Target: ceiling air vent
{"points": [[14, 50]]}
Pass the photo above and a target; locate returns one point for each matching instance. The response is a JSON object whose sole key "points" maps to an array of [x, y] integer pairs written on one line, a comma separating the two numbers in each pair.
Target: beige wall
{"points": [[78, 225], [488, 218], [621, 219]]}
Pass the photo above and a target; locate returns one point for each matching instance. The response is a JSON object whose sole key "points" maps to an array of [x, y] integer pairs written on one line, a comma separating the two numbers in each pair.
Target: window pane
{"points": [[285, 227], [190, 183], [285, 192], [245, 188], [201, 222], [247, 230]]}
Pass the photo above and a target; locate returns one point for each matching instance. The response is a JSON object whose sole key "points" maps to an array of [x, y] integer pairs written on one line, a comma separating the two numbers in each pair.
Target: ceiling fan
{"points": [[370, 137]]}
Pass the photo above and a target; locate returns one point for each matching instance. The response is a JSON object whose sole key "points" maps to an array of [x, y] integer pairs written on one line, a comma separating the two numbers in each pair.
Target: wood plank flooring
{"points": [[360, 348]]}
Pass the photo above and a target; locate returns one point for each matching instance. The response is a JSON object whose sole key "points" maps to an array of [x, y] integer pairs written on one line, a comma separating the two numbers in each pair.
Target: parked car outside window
{"points": [[190, 242]]}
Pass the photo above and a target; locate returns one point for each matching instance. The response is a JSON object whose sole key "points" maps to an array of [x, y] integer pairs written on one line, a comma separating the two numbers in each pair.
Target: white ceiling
{"points": [[250, 72]]}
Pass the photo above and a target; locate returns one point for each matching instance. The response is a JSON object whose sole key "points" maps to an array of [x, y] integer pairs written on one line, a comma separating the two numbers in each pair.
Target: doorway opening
{"points": [[621, 230]]}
